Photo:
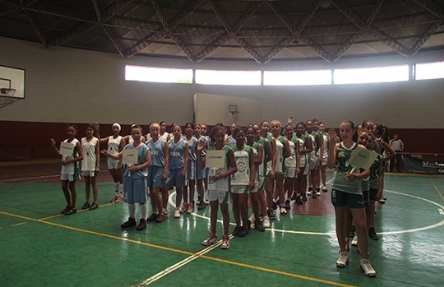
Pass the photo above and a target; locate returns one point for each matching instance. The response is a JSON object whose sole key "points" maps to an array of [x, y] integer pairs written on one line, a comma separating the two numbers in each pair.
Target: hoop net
{"points": [[5, 92]]}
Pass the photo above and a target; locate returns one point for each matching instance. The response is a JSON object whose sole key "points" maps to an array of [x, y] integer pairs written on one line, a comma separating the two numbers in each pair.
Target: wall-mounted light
{"points": [[233, 109]]}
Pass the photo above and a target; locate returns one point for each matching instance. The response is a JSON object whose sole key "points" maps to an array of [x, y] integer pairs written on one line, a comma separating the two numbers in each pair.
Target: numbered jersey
{"points": [[89, 154], [222, 184], [242, 176]]}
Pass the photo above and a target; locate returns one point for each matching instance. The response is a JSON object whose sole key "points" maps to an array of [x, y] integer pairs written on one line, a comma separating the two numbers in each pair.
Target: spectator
{"points": [[398, 146]]}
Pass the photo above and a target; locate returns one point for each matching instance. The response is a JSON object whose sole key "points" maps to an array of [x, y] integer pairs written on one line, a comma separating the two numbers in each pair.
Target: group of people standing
{"points": [[268, 164]]}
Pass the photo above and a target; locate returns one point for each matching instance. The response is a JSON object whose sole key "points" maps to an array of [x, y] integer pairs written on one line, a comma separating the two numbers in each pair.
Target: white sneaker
{"points": [[367, 268], [252, 218], [343, 259], [283, 210], [177, 212], [355, 240], [225, 242], [266, 223], [318, 192], [309, 192]]}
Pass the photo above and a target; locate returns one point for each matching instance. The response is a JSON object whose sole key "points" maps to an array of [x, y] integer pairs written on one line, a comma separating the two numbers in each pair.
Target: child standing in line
{"points": [[242, 182], [134, 179], [188, 195], [177, 168], [70, 170], [347, 194], [115, 144], [218, 185], [90, 166], [200, 173], [157, 173]]}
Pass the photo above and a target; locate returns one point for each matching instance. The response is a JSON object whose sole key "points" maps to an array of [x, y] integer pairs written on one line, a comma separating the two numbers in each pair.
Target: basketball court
{"points": [[89, 248]]}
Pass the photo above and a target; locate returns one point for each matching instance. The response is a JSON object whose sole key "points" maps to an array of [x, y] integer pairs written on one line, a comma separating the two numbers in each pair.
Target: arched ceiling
{"points": [[256, 30]]}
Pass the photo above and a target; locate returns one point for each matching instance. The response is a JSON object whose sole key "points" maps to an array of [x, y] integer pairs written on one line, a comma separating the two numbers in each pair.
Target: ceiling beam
{"points": [[352, 39], [153, 36], [383, 37], [87, 25], [231, 32], [34, 23], [297, 32]]}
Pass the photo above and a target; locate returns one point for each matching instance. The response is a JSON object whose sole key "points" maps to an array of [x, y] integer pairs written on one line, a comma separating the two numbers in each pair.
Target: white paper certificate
{"points": [[66, 149], [362, 158], [129, 156], [215, 159]]}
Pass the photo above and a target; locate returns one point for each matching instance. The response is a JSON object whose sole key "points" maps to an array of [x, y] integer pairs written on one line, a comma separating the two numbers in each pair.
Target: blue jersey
{"points": [[141, 151], [176, 152], [156, 150], [191, 148]]}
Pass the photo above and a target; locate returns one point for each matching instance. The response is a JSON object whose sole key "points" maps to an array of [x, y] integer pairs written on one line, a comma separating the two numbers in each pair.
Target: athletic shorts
{"points": [[324, 160], [69, 177], [373, 193], [314, 162], [134, 190], [112, 163], [154, 178], [89, 173], [175, 178], [200, 173], [304, 170], [352, 200], [290, 172], [259, 184], [239, 189], [191, 170], [222, 196]]}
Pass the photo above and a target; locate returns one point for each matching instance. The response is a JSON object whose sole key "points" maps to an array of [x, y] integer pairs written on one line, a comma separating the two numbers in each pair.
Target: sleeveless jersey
{"points": [[262, 168], [325, 141], [255, 154], [191, 148], [89, 154], [176, 153], [291, 160], [72, 168], [303, 158], [142, 149], [242, 175], [374, 176], [114, 144], [340, 181], [156, 150], [280, 165], [222, 184]]}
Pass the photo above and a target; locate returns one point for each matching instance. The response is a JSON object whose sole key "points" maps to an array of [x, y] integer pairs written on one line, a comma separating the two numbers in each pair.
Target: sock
{"points": [[132, 210], [143, 211], [116, 188], [120, 188]]}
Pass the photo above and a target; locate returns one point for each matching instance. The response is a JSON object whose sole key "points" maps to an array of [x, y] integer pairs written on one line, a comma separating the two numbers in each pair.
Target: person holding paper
{"points": [[71, 152], [136, 159], [242, 182], [222, 165], [347, 194]]}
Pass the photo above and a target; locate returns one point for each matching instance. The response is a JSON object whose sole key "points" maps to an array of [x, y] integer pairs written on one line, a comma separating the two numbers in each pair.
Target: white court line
{"points": [[179, 264], [29, 178]]}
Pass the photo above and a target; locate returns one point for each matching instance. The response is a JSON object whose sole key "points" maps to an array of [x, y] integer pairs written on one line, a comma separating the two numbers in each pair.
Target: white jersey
{"points": [[73, 167], [89, 154], [279, 156], [114, 144], [291, 160], [164, 136], [242, 175]]}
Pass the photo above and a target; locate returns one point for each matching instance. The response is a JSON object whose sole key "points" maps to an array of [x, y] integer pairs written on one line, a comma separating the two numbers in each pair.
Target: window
{"points": [[430, 71], [314, 77], [371, 75], [161, 75], [219, 77]]}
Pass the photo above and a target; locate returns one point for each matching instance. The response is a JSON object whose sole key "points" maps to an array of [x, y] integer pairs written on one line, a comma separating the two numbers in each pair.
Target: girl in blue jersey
{"points": [[242, 182], [200, 173], [188, 193], [157, 173], [134, 179], [178, 162], [218, 185], [115, 144], [70, 170], [347, 194]]}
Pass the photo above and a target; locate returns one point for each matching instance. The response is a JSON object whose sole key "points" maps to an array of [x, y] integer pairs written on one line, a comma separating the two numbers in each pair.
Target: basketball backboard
{"points": [[12, 79]]}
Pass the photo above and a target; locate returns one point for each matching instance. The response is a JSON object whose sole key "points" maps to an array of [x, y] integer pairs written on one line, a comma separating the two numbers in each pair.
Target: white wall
{"points": [[69, 85]]}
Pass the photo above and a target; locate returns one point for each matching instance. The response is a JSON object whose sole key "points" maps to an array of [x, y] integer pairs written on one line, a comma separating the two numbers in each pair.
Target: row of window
{"points": [[420, 71]]}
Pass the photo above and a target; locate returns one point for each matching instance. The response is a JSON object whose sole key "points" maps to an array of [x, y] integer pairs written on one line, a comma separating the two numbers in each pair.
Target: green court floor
{"points": [[40, 247]]}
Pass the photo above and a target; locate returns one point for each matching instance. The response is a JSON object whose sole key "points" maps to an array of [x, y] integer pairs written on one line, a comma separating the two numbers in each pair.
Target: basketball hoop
{"points": [[5, 92]]}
